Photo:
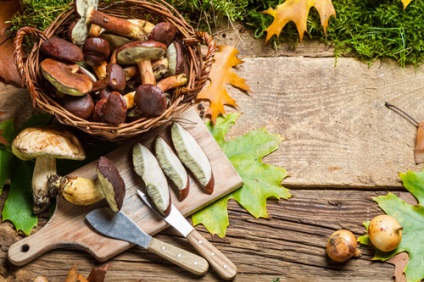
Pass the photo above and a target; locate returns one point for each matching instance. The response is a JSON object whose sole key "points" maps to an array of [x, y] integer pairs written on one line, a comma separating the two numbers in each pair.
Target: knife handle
{"points": [[222, 265], [189, 261]]}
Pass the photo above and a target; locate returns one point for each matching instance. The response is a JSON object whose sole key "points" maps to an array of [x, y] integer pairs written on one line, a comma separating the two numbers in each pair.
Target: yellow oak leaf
{"points": [[297, 11], [406, 3], [220, 75]]}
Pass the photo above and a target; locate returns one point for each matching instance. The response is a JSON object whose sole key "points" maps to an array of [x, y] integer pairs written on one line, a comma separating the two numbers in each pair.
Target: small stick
{"points": [[393, 107]]}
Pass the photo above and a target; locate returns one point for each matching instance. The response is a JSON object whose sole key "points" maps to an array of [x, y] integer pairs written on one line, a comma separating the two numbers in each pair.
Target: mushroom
{"points": [[108, 185], [163, 32], [151, 99], [141, 53], [45, 145], [80, 106], [137, 29], [96, 50], [62, 50], [115, 78], [114, 109], [65, 77], [175, 56]]}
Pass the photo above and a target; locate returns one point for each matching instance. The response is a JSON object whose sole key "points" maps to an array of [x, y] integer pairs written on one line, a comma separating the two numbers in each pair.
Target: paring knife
{"points": [[222, 265], [120, 226]]}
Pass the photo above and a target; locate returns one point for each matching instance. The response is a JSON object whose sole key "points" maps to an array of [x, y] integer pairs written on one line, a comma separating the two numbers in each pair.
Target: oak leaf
{"points": [[411, 218], [297, 11], [8, 70], [220, 75], [260, 181]]}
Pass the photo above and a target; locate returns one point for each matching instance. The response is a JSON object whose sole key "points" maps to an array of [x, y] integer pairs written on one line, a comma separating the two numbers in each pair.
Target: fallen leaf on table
{"points": [[260, 181], [8, 70], [411, 218], [220, 75], [297, 11]]}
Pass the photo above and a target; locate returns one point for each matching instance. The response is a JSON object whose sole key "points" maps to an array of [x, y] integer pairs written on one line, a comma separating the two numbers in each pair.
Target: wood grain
{"points": [[68, 229], [337, 131], [290, 245]]}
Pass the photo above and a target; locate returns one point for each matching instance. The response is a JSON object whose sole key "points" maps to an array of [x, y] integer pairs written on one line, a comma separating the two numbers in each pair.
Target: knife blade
{"points": [[219, 262], [119, 226]]}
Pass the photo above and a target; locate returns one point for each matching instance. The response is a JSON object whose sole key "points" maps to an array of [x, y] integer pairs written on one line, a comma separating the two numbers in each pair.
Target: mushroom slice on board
{"points": [[147, 166], [45, 145], [111, 183], [65, 77], [172, 167], [193, 157]]}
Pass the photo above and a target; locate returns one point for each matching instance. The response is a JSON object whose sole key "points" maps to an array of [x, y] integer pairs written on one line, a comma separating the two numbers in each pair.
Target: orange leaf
{"points": [[406, 3], [419, 144], [8, 71], [297, 11], [220, 75]]}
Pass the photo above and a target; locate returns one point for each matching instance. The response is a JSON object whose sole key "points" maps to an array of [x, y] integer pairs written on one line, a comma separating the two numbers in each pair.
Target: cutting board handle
{"points": [[30, 248]]}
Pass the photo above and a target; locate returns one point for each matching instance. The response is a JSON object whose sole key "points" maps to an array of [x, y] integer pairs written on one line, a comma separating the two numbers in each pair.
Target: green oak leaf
{"points": [[412, 220], [7, 134], [260, 181], [18, 205]]}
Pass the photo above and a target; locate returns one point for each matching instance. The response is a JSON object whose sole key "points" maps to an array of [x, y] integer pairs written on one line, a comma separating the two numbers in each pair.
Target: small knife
{"points": [[120, 226], [222, 265]]}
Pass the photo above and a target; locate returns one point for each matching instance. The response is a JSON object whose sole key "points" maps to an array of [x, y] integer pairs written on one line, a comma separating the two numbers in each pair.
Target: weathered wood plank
{"points": [[337, 131], [291, 245]]}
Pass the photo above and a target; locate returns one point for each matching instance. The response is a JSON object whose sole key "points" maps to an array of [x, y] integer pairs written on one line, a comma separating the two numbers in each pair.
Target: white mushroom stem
{"points": [[44, 168]]}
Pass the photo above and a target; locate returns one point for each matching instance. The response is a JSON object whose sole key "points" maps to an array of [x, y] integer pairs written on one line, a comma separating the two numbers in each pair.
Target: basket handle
{"points": [[19, 61]]}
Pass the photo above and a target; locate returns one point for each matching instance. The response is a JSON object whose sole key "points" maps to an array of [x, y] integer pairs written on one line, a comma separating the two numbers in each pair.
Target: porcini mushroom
{"points": [[114, 109], [163, 32], [175, 57], [62, 50], [141, 53], [115, 78], [89, 15], [45, 145], [96, 50], [108, 185], [80, 106], [151, 99], [65, 77]]}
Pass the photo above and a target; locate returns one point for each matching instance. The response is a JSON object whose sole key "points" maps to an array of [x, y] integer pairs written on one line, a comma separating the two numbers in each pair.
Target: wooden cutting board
{"points": [[68, 228]]}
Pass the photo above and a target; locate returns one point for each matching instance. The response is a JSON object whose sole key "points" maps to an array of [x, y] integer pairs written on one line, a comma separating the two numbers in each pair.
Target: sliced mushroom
{"points": [[175, 57], [172, 167], [65, 77], [147, 167], [62, 50], [45, 145], [111, 182], [193, 157]]}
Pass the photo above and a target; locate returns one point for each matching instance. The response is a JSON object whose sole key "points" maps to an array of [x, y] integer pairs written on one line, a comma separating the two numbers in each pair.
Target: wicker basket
{"points": [[198, 68]]}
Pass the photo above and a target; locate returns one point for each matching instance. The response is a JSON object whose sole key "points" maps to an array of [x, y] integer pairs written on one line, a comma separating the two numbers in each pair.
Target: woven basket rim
{"points": [[198, 68]]}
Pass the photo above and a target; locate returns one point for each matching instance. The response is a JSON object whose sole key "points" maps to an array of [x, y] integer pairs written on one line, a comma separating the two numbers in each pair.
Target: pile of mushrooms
{"points": [[113, 70]]}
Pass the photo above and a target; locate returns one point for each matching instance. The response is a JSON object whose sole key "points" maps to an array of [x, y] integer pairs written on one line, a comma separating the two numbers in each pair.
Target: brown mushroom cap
{"points": [[62, 50], [64, 77], [96, 50], [111, 182], [82, 106], [150, 100], [131, 53], [163, 32], [114, 111], [36, 142], [115, 78]]}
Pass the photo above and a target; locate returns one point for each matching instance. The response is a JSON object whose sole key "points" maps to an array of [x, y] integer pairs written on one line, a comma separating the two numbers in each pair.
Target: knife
{"points": [[119, 226], [222, 265]]}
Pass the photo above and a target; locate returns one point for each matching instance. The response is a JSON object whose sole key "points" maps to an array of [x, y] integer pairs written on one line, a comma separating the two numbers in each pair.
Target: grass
{"points": [[367, 29]]}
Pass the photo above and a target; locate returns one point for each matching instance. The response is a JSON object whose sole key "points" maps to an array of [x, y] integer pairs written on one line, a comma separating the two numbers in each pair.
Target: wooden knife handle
{"points": [[189, 261], [222, 265]]}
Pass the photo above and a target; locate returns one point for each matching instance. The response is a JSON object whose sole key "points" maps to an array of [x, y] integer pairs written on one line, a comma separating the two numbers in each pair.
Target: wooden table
{"points": [[342, 147]]}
